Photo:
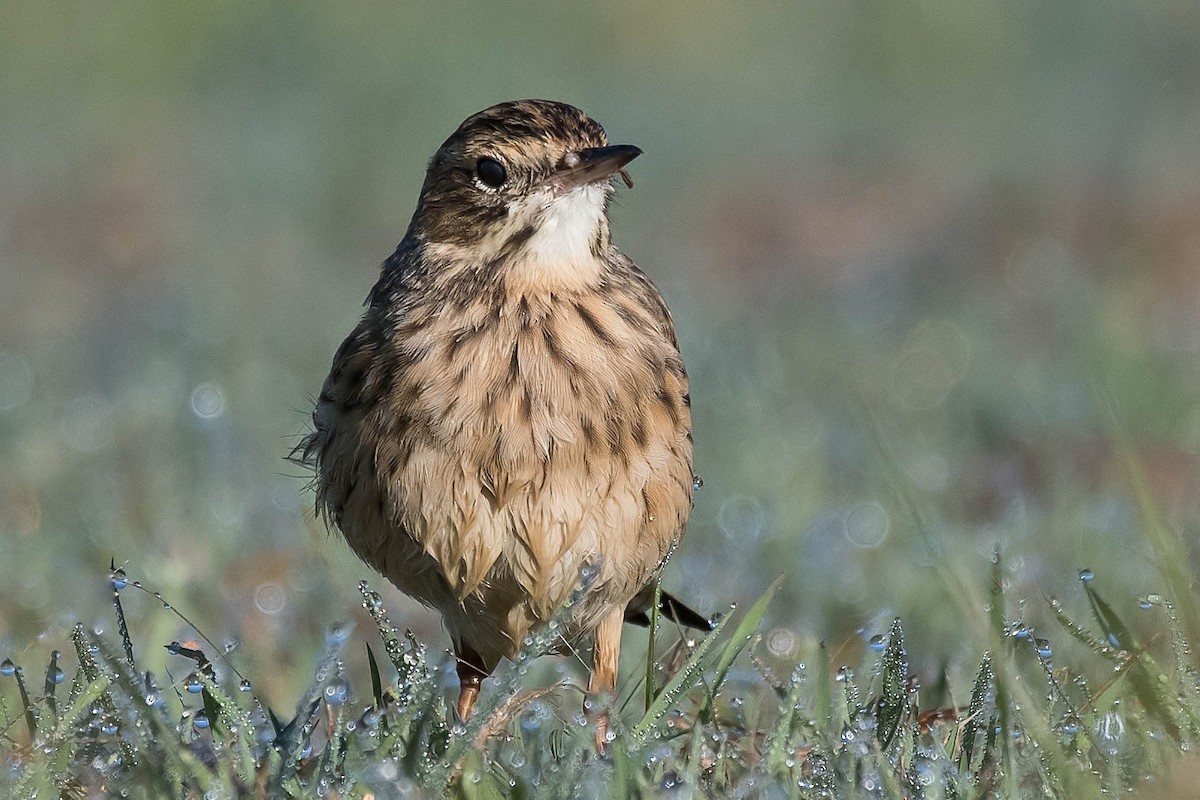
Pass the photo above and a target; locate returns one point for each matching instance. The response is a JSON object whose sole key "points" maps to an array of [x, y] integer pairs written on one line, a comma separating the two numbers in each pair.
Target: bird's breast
{"points": [[532, 381], [536, 435]]}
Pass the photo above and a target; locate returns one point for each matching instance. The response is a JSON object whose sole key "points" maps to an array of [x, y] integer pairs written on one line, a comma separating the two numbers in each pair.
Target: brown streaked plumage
{"points": [[513, 404]]}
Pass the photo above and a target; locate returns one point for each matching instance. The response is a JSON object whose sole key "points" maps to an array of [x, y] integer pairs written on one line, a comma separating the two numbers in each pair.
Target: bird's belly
{"points": [[500, 548], [509, 460]]}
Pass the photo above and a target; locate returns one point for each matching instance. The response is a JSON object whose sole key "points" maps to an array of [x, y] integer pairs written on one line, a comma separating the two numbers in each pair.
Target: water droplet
{"points": [[201, 720], [866, 525], [1145, 603], [876, 643], [208, 401], [192, 684], [269, 598], [1043, 648], [108, 727], [742, 519], [337, 634], [57, 675], [780, 642], [119, 581], [1019, 630], [1112, 731], [8, 668], [1086, 575], [697, 483], [336, 693], [244, 686]]}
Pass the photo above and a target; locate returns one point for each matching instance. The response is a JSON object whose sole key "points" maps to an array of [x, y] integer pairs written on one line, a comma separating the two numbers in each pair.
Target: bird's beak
{"points": [[594, 164]]}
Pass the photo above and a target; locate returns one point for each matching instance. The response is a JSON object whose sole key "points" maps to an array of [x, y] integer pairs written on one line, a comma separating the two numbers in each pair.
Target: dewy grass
{"points": [[1031, 727]]}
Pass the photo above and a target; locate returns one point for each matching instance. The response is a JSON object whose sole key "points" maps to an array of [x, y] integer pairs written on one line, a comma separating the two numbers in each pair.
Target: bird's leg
{"points": [[471, 673], [603, 680]]}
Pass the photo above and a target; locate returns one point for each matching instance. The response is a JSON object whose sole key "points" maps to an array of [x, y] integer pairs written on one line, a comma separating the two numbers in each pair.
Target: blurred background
{"points": [[921, 256]]}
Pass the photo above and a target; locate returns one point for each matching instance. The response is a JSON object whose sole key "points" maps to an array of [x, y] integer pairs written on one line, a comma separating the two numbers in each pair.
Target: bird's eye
{"points": [[491, 172]]}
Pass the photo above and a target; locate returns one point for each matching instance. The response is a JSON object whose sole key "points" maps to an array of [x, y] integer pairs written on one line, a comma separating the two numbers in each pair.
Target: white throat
{"points": [[560, 254], [566, 226]]}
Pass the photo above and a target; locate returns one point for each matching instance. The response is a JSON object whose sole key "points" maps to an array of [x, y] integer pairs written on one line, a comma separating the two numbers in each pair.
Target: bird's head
{"points": [[526, 181]]}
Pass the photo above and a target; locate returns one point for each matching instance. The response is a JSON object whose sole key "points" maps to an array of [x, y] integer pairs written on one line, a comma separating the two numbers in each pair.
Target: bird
{"points": [[512, 410]]}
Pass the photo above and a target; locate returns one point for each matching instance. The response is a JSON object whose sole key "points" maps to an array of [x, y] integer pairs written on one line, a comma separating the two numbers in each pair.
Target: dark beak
{"points": [[593, 164]]}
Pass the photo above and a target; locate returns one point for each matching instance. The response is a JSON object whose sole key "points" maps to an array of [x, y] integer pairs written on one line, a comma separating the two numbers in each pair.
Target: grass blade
{"points": [[737, 642], [650, 641]]}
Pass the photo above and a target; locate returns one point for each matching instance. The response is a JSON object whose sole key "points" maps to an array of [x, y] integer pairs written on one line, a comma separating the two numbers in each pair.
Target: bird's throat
{"points": [[563, 243]]}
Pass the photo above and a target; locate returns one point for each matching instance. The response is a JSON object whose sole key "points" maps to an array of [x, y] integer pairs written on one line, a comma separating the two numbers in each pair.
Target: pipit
{"points": [[512, 407]]}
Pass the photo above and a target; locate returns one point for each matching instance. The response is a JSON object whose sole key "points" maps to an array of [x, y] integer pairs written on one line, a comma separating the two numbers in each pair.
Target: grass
{"points": [[723, 717], [967, 219]]}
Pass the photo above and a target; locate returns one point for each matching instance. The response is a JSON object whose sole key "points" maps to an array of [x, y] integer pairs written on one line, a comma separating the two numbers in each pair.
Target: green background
{"points": [[922, 256]]}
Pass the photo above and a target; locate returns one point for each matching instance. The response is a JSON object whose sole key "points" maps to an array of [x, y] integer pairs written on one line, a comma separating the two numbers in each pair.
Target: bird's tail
{"points": [[670, 607]]}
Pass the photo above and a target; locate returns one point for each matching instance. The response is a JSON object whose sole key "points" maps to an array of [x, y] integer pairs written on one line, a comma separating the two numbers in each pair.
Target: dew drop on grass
{"points": [[1145, 603], [244, 686], [8, 668], [876, 643], [1043, 648], [1111, 732], [697, 483], [336, 693], [192, 684], [57, 675], [1086, 575], [1019, 630], [119, 581], [534, 715], [201, 720]]}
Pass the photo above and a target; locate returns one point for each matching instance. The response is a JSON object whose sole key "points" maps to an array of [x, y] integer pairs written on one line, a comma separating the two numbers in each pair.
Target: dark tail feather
{"points": [[673, 609]]}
